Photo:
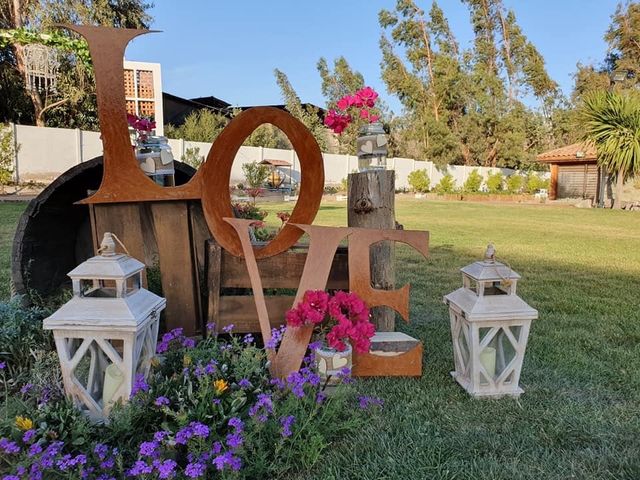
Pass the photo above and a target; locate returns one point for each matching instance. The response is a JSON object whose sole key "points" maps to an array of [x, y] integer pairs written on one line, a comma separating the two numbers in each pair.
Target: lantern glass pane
{"points": [[497, 288], [132, 284], [95, 288], [505, 350]]}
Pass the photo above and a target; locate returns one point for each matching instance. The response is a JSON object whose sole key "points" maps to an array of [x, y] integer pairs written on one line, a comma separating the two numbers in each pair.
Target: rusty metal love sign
{"points": [[124, 182]]}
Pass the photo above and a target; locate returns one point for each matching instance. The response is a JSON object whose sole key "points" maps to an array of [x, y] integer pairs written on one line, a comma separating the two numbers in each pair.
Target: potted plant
{"points": [[341, 324], [153, 152], [372, 141]]}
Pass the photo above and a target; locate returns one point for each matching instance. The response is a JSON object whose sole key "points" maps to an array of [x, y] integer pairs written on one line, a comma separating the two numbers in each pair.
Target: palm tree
{"points": [[611, 120]]}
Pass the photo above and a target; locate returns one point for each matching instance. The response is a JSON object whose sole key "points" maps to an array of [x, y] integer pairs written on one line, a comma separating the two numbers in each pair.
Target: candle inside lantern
{"points": [[113, 378], [488, 360]]}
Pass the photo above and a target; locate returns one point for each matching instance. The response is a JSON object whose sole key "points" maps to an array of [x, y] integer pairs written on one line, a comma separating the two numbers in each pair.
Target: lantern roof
{"points": [[490, 307], [489, 269], [111, 267], [109, 264], [87, 312]]}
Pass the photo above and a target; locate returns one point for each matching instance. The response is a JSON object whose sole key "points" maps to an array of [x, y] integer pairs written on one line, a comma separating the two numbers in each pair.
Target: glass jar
{"points": [[156, 160], [372, 148]]}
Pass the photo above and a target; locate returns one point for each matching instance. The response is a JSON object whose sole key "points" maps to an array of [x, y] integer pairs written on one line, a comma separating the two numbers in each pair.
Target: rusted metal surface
{"points": [[123, 180], [216, 171], [359, 269]]}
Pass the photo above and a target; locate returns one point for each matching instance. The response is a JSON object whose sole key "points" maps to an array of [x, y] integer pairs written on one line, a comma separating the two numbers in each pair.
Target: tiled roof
{"points": [[577, 152], [276, 163]]}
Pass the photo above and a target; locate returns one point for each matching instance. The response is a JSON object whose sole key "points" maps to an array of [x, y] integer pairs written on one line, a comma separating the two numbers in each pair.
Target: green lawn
{"points": [[580, 414]]}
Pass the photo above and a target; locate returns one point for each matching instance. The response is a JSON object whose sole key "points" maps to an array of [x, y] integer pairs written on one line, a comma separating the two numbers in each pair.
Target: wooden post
{"points": [[372, 205]]}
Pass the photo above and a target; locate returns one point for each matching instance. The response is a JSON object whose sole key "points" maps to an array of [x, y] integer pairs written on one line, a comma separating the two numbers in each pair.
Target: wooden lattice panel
{"points": [[145, 84], [129, 84], [146, 109], [131, 107]]}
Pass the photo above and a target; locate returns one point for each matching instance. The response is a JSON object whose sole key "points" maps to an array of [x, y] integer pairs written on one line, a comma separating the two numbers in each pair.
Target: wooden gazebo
{"points": [[574, 172]]}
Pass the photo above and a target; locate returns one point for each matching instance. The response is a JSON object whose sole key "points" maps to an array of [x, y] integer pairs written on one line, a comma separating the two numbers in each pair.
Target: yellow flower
{"points": [[220, 386], [186, 361], [155, 362], [24, 423]]}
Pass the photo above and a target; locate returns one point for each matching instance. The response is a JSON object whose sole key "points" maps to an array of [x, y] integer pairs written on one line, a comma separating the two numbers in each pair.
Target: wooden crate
{"points": [[281, 272]]}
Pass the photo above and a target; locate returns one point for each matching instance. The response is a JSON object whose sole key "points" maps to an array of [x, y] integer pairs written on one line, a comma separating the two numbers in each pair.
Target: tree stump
{"points": [[372, 205]]}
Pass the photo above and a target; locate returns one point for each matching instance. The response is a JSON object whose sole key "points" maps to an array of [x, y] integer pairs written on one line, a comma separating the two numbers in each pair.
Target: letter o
{"points": [[216, 175]]}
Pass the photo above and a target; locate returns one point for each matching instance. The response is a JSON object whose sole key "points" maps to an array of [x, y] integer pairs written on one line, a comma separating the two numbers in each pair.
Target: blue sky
{"points": [[229, 49]]}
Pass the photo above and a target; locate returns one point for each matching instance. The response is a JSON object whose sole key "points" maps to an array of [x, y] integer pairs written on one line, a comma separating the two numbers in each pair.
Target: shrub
{"points": [[473, 182], [208, 410], [255, 173], [192, 157], [534, 183], [249, 211], [344, 184], [21, 337], [446, 185], [199, 126], [331, 189], [419, 181], [515, 183], [495, 182]]}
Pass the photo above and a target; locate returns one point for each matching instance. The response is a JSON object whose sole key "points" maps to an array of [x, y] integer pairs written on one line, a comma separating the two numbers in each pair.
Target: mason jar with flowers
{"points": [[152, 152], [341, 325], [360, 108]]}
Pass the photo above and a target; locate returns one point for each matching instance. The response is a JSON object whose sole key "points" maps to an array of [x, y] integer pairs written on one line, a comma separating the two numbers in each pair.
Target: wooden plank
{"points": [[171, 227], [199, 237], [213, 265], [372, 205], [271, 270], [392, 342], [241, 312], [124, 220]]}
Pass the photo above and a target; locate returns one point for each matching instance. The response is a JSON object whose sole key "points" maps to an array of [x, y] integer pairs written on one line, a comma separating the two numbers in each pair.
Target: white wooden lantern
{"points": [[107, 333], [489, 328]]}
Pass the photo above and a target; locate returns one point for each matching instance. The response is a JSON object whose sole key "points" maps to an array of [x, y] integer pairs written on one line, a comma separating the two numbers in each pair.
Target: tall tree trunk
{"points": [[617, 203], [36, 99]]}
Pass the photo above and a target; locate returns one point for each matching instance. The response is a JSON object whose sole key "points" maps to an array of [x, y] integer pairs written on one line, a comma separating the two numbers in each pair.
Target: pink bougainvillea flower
{"points": [[364, 114], [367, 96], [343, 103], [374, 118]]}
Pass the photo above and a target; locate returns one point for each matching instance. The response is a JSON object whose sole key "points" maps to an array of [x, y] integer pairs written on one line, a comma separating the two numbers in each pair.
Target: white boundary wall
{"points": [[45, 153]]}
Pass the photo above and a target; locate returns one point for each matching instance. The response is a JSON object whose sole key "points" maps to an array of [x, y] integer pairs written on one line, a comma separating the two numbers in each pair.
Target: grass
{"points": [[580, 414]]}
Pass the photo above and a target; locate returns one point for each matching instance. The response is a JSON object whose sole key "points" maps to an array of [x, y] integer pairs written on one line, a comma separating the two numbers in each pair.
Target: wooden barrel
{"points": [[54, 234]]}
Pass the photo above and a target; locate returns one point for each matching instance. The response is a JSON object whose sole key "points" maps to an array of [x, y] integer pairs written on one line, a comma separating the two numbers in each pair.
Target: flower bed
{"points": [[208, 410]]}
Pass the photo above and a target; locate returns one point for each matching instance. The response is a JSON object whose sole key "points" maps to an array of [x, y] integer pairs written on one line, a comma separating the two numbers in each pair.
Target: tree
{"points": [[464, 107], [611, 120], [75, 83], [446, 185], [624, 42], [199, 126], [7, 154], [308, 114]]}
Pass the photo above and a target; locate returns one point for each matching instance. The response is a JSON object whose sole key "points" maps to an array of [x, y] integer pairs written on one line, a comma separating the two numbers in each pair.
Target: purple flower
{"points": [[101, 450], [140, 385], [26, 388], [34, 450], [296, 382], [234, 440], [211, 326], [262, 408], [188, 343], [244, 383], [183, 436], [3, 365], [140, 468], [11, 477], [210, 368], [228, 328], [276, 337], [248, 338], [161, 401], [160, 436], [166, 469], [221, 460], [236, 423], [148, 449], [195, 470], [9, 446], [199, 429], [286, 423], [28, 436], [365, 402], [216, 448], [321, 397], [279, 384]]}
